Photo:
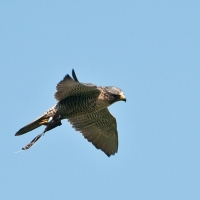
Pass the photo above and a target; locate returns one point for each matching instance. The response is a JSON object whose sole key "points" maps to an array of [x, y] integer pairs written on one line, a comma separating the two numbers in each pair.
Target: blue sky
{"points": [[150, 49]]}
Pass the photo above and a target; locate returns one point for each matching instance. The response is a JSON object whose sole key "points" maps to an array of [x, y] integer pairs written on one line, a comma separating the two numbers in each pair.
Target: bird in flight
{"points": [[84, 105]]}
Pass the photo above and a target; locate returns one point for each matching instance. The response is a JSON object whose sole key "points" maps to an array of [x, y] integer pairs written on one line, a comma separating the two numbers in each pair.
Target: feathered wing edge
{"points": [[69, 87], [99, 128]]}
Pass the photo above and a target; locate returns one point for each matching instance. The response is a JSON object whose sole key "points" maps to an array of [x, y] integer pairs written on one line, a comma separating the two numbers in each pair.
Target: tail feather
{"points": [[42, 120]]}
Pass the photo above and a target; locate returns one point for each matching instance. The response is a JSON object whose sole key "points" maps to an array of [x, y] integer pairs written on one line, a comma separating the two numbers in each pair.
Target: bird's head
{"points": [[114, 94]]}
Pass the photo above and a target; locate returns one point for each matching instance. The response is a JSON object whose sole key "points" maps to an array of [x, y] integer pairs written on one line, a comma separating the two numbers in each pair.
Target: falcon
{"points": [[84, 105]]}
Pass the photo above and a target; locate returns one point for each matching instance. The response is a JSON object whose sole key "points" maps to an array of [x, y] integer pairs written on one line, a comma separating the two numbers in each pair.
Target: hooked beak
{"points": [[122, 98]]}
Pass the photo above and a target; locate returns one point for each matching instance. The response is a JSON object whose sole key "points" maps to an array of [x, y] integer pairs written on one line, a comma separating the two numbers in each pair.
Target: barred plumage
{"points": [[85, 107]]}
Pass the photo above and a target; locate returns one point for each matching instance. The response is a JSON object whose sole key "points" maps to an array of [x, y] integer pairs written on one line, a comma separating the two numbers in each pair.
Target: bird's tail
{"points": [[41, 120]]}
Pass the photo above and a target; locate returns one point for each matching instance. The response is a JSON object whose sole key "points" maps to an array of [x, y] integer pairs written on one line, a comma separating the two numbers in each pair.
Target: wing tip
{"points": [[112, 153], [74, 75]]}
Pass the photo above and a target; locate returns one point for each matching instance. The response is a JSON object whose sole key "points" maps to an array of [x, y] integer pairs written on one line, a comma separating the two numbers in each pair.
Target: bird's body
{"points": [[85, 107]]}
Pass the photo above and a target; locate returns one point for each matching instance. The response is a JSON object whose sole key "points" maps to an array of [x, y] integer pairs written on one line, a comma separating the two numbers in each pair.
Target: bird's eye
{"points": [[116, 96]]}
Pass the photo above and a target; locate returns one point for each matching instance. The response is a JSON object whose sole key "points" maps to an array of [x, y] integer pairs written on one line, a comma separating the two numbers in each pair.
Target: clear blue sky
{"points": [[151, 50]]}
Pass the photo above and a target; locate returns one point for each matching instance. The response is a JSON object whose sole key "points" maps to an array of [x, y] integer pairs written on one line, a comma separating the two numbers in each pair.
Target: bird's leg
{"points": [[56, 121], [28, 146]]}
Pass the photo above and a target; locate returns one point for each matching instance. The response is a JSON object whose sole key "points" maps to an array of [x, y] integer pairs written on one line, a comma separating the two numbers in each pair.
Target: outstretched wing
{"points": [[69, 87], [100, 128]]}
